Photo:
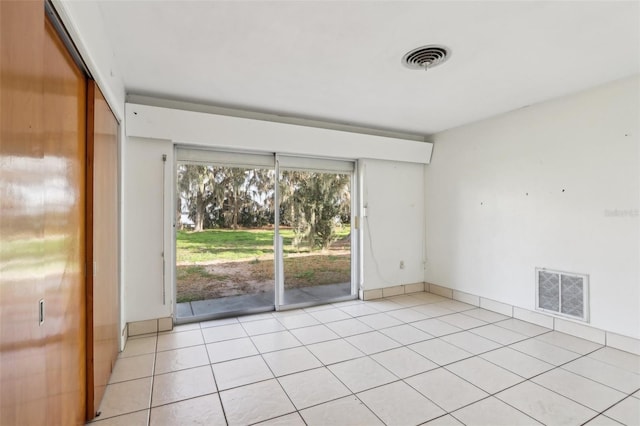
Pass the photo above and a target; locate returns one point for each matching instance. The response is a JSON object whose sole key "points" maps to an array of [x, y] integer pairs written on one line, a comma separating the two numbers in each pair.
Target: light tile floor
{"points": [[411, 359]]}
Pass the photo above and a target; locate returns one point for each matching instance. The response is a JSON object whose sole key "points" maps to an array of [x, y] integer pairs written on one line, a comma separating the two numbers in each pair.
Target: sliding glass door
{"points": [[224, 234], [258, 232], [315, 230]]}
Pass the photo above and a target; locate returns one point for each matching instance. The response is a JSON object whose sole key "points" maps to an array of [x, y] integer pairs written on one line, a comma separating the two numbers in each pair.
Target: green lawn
{"points": [[227, 244], [250, 251]]}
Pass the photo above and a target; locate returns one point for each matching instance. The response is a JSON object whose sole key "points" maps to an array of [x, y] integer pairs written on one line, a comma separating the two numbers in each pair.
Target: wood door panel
{"points": [[22, 355], [42, 142], [64, 231], [102, 291]]}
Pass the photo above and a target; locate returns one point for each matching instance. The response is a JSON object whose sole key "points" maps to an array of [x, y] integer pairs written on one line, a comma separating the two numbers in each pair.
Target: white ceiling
{"points": [[340, 61]]}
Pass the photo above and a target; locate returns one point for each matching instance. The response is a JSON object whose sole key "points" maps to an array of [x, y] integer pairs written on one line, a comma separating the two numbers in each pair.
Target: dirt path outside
{"points": [[223, 278]]}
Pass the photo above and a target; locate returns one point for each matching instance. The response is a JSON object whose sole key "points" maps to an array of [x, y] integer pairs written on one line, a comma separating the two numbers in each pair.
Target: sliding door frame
{"points": [[278, 305], [186, 154], [354, 186]]}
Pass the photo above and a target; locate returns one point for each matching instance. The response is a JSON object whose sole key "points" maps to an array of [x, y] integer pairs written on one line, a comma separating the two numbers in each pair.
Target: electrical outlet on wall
{"points": [[402, 264]]}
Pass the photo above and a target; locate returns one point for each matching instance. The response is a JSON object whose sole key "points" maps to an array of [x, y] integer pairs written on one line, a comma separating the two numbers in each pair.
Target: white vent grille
{"points": [[563, 293], [426, 57]]}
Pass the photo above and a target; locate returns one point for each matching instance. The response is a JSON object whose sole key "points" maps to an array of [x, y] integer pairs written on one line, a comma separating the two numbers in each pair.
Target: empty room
{"points": [[319, 212]]}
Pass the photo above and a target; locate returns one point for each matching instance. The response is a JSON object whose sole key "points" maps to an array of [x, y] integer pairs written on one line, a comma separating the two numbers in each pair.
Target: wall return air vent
{"points": [[563, 293]]}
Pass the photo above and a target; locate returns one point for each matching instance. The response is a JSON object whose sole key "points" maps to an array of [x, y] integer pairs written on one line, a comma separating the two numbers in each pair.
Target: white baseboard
{"points": [[136, 328], [396, 290], [583, 331]]}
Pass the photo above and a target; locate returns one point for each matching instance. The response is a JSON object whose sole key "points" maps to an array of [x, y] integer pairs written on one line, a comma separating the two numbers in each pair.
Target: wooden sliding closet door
{"points": [[42, 223], [103, 299], [23, 386], [64, 169]]}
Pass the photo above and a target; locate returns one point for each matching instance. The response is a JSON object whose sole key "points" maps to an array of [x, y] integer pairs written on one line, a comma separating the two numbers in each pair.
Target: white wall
{"points": [[393, 228], [540, 187], [147, 229]]}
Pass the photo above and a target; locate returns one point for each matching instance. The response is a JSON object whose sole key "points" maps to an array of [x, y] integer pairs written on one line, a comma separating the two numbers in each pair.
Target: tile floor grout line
{"points": [[512, 406], [278, 417], [602, 413], [476, 386], [510, 346], [319, 403], [216, 326], [439, 417], [490, 322], [448, 363], [559, 394], [273, 374], [472, 353], [461, 330], [598, 415], [215, 382], [497, 323], [180, 347], [96, 420], [153, 378], [338, 378], [180, 400], [581, 375], [230, 359], [500, 343], [567, 349], [635, 372], [355, 394], [369, 408], [504, 402], [425, 396], [553, 367], [578, 402], [260, 381], [413, 326]]}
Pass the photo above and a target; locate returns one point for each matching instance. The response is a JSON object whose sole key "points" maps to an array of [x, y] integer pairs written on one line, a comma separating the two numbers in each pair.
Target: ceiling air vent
{"points": [[426, 57]]}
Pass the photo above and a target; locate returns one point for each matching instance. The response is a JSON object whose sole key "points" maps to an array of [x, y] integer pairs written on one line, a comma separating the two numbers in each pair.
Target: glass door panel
{"points": [[224, 240], [315, 230]]}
